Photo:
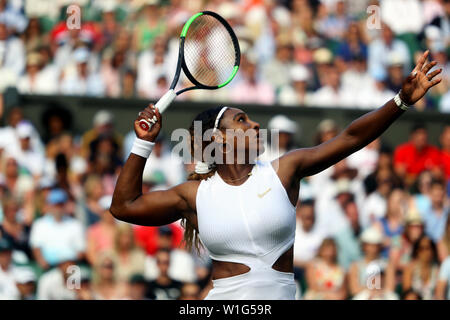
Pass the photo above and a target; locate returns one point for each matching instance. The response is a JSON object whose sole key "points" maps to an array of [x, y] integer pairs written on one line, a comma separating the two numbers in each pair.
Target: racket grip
{"points": [[166, 100], [161, 105]]}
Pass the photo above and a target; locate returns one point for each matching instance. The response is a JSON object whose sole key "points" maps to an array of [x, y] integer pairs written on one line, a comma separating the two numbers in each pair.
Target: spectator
{"points": [[416, 155], [137, 286], [130, 259], [402, 250], [26, 282], [164, 168], [164, 287], [8, 289], [381, 49], [190, 291], [53, 285], [37, 79], [295, 93], [249, 89], [282, 137], [443, 245], [379, 290], [14, 230], [332, 93], [56, 234], [153, 238], [376, 203], [410, 20], [445, 151], [436, 216], [28, 158], [103, 125], [443, 286], [326, 279], [105, 283], [422, 273], [81, 81], [308, 237], [101, 235], [391, 225], [12, 57], [361, 271]]}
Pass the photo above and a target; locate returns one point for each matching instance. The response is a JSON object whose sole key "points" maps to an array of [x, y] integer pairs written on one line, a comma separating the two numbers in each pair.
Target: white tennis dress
{"points": [[252, 224]]}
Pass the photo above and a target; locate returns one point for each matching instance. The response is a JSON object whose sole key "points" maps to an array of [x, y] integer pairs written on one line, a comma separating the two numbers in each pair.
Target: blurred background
{"points": [[374, 226]]}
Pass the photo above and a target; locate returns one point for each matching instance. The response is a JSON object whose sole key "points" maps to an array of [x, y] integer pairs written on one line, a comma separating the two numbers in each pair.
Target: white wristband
{"points": [[142, 148], [399, 102]]}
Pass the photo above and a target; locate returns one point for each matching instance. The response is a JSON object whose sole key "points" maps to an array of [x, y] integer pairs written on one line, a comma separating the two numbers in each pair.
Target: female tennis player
{"points": [[244, 214]]}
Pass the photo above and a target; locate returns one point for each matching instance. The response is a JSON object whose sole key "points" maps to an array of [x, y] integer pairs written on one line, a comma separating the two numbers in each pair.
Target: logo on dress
{"points": [[264, 193]]}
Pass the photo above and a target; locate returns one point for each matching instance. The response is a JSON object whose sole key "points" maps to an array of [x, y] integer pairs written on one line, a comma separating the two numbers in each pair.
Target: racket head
{"points": [[210, 51]]}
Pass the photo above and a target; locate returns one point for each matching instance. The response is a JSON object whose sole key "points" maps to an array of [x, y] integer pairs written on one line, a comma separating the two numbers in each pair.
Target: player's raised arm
{"points": [[154, 208], [362, 131]]}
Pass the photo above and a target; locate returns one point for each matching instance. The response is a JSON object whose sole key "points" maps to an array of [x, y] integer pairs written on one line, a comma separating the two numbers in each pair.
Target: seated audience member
{"points": [[190, 291], [130, 258], [401, 251], [137, 287], [360, 271], [436, 216], [8, 289], [26, 282], [105, 285], [163, 287], [416, 155], [443, 285], [56, 233], [325, 278], [16, 230], [57, 284], [391, 225], [422, 273], [443, 245], [308, 238], [378, 288], [100, 236]]}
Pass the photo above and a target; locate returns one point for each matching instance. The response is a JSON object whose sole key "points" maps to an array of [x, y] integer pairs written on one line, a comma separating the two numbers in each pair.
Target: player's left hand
{"points": [[419, 81]]}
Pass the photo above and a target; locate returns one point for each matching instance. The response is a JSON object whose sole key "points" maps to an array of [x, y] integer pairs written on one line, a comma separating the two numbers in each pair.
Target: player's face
{"points": [[241, 132]]}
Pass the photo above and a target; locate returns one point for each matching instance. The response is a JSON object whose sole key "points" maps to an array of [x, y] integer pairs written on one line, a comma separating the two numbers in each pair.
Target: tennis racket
{"points": [[209, 55]]}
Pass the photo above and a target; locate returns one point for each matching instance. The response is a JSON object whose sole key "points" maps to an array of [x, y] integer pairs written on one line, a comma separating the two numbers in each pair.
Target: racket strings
{"points": [[209, 51]]}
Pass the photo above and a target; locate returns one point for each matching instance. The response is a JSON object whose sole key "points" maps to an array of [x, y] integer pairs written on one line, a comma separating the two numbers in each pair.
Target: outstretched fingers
{"points": [[421, 61]]}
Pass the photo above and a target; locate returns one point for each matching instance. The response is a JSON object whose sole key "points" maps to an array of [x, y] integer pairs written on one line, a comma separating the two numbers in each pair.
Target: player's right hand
{"points": [[152, 116]]}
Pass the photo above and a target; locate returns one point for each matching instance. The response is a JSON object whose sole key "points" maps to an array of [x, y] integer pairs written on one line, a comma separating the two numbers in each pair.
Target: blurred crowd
{"points": [[373, 226], [329, 53]]}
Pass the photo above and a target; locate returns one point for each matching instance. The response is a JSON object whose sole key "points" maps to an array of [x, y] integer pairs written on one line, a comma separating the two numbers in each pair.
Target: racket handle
{"points": [[162, 105]]}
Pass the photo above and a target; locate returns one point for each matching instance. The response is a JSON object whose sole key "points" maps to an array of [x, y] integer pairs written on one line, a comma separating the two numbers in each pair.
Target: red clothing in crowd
{"points": [[415, 161], [445, 159], [147, 237]]}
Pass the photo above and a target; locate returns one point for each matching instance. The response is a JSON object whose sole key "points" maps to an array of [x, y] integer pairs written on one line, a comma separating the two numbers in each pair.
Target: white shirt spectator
{"points": [[403, 16], [329, 97], [373, 209], [57, 239], [76, 85], [12, 55], [444, 105], [8, 289], [380, 53], [51, 286], [46, 82], [307, 243]]}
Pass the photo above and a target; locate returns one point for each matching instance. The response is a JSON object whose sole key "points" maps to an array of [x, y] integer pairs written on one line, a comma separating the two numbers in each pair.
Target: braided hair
{"points": [[207, 119]]}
